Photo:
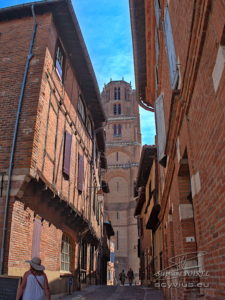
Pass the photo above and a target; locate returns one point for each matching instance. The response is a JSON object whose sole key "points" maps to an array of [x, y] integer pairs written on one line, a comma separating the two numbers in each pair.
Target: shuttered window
{"points": [[36, 238], [170, 50], [80, 177], [160, 130], [67, 154]]}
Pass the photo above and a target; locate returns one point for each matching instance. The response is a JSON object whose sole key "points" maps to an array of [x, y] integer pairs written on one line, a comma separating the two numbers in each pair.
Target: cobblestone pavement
{"points": [[116, 293]]}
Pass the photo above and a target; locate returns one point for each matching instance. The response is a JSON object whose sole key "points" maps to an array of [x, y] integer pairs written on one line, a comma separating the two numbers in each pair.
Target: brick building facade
{"points": [[179, 51], [51, 204], [147, 211], [123, 141]]}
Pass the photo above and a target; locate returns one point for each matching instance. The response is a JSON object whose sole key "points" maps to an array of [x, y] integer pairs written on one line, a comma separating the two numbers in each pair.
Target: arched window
{"points": [[119, 109], [118, 94], [114, 109], [66, 253]]}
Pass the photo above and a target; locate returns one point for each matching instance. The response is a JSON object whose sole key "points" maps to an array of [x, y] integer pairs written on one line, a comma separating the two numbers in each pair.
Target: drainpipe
{"points": [[29, 57]]}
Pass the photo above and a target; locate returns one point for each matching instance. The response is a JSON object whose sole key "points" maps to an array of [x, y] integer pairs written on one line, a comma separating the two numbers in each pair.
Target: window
{"points": [[67, 154], [80, 177], [115, 93], [117, 186], [92, 251], [170, 50], [119, 109], [66, 252], [59, 61], [81, 109], [114, 109], [83, 256], [118, 93], [119, 130], [114, 130], [117, 215], [89, 126], [117, 240], [117, 156]]}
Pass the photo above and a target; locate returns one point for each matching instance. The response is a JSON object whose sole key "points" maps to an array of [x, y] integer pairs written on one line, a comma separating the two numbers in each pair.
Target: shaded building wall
{"points": [[184, 80], [194, 124], [123, 152], [40, 193]]}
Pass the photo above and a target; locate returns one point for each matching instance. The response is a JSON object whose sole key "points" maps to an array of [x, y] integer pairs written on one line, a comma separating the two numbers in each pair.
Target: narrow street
{"points": [[116, 293]]}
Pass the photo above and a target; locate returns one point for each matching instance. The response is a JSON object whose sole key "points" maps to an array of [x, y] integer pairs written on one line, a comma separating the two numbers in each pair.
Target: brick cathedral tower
{"points": [[123, 145]]}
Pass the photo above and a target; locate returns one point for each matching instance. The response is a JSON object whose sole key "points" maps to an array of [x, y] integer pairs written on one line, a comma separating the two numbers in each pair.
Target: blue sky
{"points": [[105, 25]]}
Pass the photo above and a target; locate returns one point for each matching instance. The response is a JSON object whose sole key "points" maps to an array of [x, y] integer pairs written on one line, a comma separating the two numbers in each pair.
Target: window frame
{"points": [[115, 93], [118, 93], [89, 126], [114, 109], [67, 155], [119, 109], [66, 240], [119, 131], [60, 66], [81, 109]]}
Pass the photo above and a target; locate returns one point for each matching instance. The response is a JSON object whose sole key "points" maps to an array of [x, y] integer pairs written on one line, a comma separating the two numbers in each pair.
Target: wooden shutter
{"points": [[67, 154], [36, 238], [170, 49], [80, 173], [160, 130]]}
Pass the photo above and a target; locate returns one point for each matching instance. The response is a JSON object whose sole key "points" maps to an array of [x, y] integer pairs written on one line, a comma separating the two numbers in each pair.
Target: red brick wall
{"points": [[198, 121], [14, 44], [49, 108]]}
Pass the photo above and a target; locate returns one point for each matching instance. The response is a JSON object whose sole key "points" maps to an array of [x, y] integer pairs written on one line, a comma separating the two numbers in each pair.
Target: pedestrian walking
{"points": [[34, 283], [130, 275], [122, 277]]}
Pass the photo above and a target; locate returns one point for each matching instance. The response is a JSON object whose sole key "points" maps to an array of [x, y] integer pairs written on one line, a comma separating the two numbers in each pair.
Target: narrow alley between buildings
{"points": [[117, 293]]}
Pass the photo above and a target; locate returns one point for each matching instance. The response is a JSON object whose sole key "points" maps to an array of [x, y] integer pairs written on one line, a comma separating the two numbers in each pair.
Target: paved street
{"points": [[116, 293]]}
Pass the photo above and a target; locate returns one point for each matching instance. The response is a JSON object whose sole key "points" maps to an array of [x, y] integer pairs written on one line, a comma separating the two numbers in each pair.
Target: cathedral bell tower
{"points": [[123, 146]]}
